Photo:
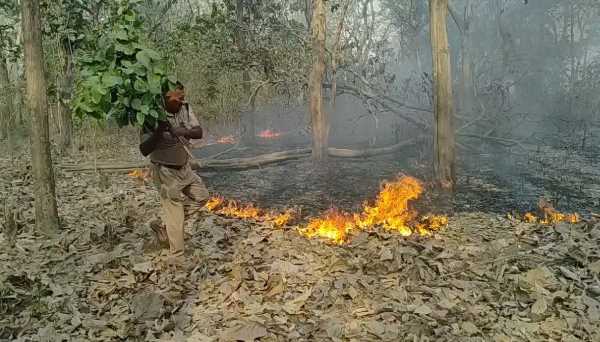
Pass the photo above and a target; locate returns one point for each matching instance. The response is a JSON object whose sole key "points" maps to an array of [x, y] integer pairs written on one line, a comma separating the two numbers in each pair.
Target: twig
{"points": [[215, 156]]}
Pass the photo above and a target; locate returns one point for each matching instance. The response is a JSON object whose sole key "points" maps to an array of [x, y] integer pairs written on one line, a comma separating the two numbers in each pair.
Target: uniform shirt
{"points": [[169, 150]]}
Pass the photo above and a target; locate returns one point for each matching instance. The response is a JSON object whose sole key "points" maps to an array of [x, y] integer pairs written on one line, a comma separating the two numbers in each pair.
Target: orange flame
{"points": [[552, 218], [334, 226], [141, 175], [391, 210], [229, 139], [233, 209], [269, 134]]}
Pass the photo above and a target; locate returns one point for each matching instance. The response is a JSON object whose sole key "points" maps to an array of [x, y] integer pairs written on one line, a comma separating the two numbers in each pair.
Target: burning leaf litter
{"points": [[229, 139], [234, 209], [550, 219], [269, 134], [141, 175], [391, 210], [548, 215], [274, 285]]}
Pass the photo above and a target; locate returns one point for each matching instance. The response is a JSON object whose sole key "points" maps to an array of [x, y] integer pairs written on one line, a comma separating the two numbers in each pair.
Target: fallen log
{"points": [[345, 153], [203, 164], [245, 163]]}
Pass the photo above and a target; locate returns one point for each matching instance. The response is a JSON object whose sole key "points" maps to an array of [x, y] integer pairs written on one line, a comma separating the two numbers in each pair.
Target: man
{"points": [[181, 190]]}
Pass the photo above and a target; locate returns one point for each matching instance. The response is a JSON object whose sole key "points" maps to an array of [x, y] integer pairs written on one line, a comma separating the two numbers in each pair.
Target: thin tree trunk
{"points": [[467, 83], [308, 13], [247, 119], [336, 48], [65, 117], [444, 149], [46, 214], [320, 122], [572, 56], [5, 100]]}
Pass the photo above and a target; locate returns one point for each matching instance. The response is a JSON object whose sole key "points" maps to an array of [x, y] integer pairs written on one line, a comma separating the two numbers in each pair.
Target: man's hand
{"points": [[179, 131], [162, 127]]}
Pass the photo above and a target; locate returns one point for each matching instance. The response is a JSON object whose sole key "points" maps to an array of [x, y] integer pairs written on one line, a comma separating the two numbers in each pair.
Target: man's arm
{"points": [[193, 130], [151, 140]]}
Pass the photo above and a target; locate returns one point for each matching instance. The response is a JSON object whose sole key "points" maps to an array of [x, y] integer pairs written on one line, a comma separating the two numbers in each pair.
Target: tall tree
{"points": [[320, 120], [5, 99], [466, 90], [248, 122], [444, 149], [46, 214]]}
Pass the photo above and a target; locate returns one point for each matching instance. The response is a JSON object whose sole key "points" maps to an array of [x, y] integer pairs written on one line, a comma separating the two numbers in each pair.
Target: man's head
{"points": [[174, 100]]}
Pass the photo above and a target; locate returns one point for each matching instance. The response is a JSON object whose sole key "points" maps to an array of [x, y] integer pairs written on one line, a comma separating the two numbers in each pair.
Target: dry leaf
{"points": [[469, 328], [294, 306], [539, 307], [423, 310], [246, 332]]}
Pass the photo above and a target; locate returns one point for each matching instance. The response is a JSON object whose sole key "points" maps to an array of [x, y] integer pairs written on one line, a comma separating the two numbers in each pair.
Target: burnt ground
{"points": [[493, 179], [483, 278]]}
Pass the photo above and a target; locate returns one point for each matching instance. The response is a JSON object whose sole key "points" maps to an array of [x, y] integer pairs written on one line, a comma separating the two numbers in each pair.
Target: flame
{"points": [[529, 218], [229, 139], [141, 175], [391, 210], [234, 209], [334, 226], [552, 218], [213, 203], [269, 134], [430, 224]]}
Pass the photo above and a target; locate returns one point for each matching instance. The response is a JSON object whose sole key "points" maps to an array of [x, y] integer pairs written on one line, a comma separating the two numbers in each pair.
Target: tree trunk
{"points": [[308, 12], [572, 57], [320, 122], [444, 149], [65, 117], [46, 214], [336, 48], [467, 86], [5, 100], [247, 115]]}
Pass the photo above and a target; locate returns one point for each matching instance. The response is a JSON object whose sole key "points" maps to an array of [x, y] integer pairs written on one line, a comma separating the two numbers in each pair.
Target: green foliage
{"points": [[119, 76], [9, 19]]}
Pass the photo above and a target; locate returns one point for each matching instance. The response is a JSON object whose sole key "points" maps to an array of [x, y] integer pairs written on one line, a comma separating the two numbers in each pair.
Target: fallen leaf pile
{"points": [[483, 278]]}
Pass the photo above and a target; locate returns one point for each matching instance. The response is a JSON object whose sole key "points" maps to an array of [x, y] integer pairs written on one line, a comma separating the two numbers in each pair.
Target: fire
{"points": [[141, 175], [269, 134], [391, 210], [552, 218], [334, 226], [229, 139], [234, 209]]}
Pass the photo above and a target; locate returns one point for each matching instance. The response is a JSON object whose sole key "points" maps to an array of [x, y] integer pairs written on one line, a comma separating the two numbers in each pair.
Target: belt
{"points": [[174, 167]]}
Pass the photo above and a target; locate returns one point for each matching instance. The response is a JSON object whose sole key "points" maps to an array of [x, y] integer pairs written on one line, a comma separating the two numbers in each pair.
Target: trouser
{"points": [[182, 194]]}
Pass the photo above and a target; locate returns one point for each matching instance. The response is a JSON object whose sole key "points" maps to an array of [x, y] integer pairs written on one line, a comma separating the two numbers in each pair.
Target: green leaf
{"points": [[172, 78], [125, 49], [140, 118], [145, 109], [111, 80], [143, 58], [154, 84], [136, 104], [140, 86]]}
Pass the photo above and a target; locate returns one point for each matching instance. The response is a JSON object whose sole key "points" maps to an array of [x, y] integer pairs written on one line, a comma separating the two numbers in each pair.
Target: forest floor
{"points": [[484, 277]]}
